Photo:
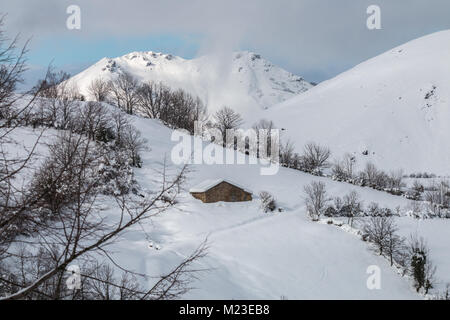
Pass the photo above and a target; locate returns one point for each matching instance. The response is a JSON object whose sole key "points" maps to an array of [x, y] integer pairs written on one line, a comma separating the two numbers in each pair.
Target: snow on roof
{"points": [[210, 183]]}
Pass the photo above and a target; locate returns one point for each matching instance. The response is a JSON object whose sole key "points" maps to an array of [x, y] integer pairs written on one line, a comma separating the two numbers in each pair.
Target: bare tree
{"points": [[371, 172], [438, 197], [378, 230], [134, 143], [59, 99], [150, 100], [176, 108], [53, 221], [315, 156], [344, 169], [396, 179], [99, 90], [77, 230], [315, 199], [395, 245], [95, 121], [352, 206], [227, 119], [124, 91], [12, 67]]}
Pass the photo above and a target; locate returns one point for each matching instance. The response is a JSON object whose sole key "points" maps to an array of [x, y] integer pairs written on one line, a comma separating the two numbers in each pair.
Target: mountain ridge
{"points": [[242, 80], [395, 107]]}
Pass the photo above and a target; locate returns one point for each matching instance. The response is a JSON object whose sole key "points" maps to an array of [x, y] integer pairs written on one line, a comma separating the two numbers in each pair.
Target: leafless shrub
{"points": [[267, 202], [134, 143], [378, 230], [315, 157], [344, 169], [351, 206], [124, 92], [178, 109], [395, 179], [99, 90], [61, 231], [438, 197], [287, 155], [315, 199]]}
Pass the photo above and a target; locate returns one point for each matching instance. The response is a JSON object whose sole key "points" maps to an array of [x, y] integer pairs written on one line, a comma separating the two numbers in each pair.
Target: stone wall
{"points": [[223, 192]]}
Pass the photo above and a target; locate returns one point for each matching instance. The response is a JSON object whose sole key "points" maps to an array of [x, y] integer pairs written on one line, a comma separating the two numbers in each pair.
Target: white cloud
{"points": [[300, 34]]}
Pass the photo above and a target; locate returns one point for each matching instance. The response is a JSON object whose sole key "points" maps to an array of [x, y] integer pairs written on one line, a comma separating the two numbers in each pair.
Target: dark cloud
{"points": [[313, 37]]}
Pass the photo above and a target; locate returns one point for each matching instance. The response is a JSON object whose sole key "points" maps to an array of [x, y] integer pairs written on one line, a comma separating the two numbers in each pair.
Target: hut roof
{"points": [[208, 184]]}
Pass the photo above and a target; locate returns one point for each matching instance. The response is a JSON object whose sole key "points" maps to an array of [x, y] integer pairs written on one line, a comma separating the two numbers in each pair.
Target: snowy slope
{"points": [[396, 106], [242, 80], [252, 254]]}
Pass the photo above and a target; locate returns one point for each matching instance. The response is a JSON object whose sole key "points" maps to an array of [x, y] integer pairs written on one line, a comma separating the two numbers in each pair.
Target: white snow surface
{"points": [[396, 106], [243, 80], [253, 255]]}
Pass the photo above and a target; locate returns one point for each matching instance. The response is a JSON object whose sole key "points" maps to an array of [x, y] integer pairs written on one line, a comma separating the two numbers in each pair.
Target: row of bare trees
{"points": [[176, 108], [51, 226], [412, 256]]}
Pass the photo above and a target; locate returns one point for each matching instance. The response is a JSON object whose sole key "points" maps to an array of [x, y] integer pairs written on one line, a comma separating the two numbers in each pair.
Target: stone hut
{"points": [[210, 191]]}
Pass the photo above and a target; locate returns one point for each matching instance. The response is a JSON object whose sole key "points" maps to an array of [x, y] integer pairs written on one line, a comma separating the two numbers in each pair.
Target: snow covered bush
{"points": [[116, 173], [268, 203]]}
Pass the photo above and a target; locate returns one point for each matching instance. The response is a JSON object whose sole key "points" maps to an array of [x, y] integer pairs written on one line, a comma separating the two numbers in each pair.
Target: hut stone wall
{"points": [[224, 191]]}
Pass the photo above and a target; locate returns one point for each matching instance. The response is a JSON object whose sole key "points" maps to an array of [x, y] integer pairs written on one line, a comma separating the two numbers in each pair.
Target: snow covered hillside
{"points": [[242, 80], [395, 106], [253, 254], [256, 255]]}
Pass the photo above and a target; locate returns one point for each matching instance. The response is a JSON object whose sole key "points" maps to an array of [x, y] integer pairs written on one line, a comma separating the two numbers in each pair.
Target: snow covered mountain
{"points": [[242, 80], [396, 106]]}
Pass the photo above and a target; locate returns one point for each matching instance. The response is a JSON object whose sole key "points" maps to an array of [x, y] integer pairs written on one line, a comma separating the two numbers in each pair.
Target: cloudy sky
{"points": [[316, 39]]}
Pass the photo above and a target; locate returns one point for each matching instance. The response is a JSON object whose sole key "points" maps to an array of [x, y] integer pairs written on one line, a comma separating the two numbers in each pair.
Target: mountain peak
{"points": [[248, 83]]}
